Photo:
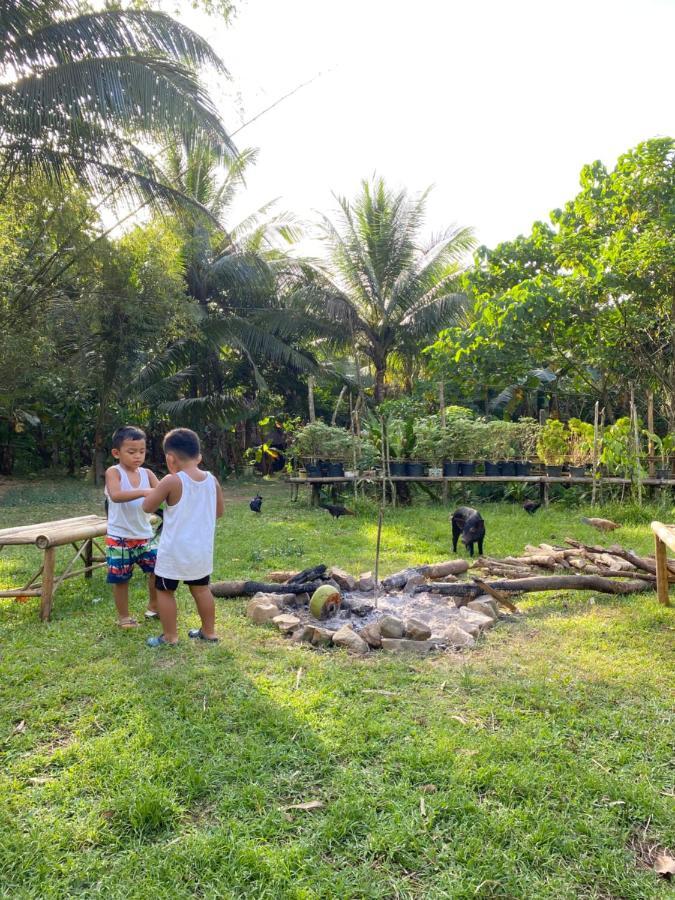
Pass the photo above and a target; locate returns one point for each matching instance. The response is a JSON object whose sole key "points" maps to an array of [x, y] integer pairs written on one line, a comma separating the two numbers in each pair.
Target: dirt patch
{"points": [[645, 849]]}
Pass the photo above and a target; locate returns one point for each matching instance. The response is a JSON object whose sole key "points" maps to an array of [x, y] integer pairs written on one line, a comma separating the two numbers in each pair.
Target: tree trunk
{"points": [[380, 372], [310, 398]]}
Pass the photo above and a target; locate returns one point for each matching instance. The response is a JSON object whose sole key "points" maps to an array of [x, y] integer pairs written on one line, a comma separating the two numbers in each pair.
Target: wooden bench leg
{"points": [[47, 584], [661, 571], [88, 558]]}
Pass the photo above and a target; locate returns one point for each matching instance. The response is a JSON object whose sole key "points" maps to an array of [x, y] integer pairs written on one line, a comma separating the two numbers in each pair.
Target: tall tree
{"points": [[385, 290], [78, 87]]}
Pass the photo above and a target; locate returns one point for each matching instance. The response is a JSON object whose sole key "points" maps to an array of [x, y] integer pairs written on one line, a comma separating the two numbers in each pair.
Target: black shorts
{"points": [[168, 584]]}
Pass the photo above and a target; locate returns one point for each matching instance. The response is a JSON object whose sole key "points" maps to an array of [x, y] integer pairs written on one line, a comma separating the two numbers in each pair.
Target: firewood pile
{"points": [[574, 566]]}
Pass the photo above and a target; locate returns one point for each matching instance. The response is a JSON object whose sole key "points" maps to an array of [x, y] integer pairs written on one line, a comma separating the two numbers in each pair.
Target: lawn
{"points": [[538, 765]]}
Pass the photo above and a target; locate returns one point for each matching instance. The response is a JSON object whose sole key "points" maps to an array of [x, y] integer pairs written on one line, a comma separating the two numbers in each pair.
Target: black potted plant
{"points": [[472, 444], [665, 447], [580, 447], [526, 442], [552, 447]]}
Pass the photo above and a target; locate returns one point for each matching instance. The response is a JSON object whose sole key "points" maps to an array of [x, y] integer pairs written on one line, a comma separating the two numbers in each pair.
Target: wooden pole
{"points": [[650, 429], [596, 416], [661, 571], [636, 442], [441, 401], [48, 584], [310, 398], [337, 405], [377, 549], [88, 558]]}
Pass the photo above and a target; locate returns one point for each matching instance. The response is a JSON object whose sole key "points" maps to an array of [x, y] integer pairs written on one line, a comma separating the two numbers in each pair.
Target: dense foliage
{"points": [[190, 318]]}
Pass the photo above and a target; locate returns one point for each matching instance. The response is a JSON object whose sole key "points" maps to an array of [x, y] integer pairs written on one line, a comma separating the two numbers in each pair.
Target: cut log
{"points": [[540, 560], [497, 595], [440, 570], [640, 562], [542, 583], [248, 588], [280, 577], [307, 575]]}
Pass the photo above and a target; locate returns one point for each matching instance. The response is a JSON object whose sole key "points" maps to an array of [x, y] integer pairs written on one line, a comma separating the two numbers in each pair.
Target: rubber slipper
{"points": [[149, 614], [198, 635], [159, 642], [128, 622]]}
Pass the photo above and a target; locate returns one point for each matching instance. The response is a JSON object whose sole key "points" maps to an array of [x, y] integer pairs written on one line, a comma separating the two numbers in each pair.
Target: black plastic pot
{"points": [[397, 468], [467, 468], [313, 470], [414, 469], [336, 470], [554, 471], [663, 474], [523, 468], [508, 467], [492, 468], [577, 471], [450, 469]]}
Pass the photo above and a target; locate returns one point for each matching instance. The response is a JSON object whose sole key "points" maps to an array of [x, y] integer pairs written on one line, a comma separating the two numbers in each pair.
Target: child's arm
{"points": [[116, 494], [220, 502], [169, 489], [152, 478]]}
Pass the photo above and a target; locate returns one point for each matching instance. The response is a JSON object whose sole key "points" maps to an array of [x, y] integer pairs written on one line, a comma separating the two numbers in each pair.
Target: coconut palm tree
{"points": [[234, 278], [385, 291], [78, 89]]}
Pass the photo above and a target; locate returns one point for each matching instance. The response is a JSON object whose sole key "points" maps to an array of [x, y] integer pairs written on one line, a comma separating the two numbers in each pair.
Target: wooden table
{"points": [[664, 537], [80, 533]]}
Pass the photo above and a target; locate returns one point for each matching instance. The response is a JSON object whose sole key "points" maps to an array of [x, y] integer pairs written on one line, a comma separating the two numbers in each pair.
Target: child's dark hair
{"points": [[127, 433], [183, 442]]}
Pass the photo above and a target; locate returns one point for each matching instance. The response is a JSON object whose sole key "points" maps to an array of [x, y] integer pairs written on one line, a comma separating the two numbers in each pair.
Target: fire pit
{"points": [[322, 606]]}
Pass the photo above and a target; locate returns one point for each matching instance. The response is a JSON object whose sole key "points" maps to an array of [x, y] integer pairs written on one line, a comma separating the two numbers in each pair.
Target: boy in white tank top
{"points": [[194, 501], [130, 538]]}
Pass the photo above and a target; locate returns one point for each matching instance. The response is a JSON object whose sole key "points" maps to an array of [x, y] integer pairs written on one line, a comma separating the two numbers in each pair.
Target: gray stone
{"points": [[360, 608], [485, 605], [333, 583], [470, 627], [416, 630], [344, 580], [346, 637], [286, 622], [276, 599], [260, 611], [391, 627], [484, 622], [394, 645], [366, 581], [371, 634], [321, 637], [457, 638], [303, 634], [413, 582]]}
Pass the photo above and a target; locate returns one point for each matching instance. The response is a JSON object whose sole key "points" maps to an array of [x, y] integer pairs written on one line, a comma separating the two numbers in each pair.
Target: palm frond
{"points": [[112, 33]]}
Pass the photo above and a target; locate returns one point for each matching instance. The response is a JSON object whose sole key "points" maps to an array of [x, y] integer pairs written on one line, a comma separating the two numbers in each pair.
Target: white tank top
{"points": [[185, 549], [127, 519]]}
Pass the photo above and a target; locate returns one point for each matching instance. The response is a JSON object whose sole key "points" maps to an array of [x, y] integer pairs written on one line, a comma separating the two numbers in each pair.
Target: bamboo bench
{"points": [[80, 532], [664, 537]]}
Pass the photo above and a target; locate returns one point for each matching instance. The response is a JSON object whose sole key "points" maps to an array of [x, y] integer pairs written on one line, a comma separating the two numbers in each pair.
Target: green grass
{"points": [[527, 768]]}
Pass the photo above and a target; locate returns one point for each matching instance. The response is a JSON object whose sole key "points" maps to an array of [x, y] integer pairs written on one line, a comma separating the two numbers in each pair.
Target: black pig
{"points": [[468, 523]]}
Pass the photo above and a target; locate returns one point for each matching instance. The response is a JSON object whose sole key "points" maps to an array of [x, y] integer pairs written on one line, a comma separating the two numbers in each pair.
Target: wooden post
{"points": [[650, 429], [377, 549], [596, 416], [543, 492], [661, 571], [441, 401], [636, 441], [384, 462], [47, 584], [310, 398], [88, 557]]}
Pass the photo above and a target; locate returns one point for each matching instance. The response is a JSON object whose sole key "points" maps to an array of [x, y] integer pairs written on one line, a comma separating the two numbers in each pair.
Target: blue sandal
{"points": [[160, 641], [198, 635]]}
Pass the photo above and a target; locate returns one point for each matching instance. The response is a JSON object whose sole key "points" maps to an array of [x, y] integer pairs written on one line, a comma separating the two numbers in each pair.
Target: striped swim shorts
{"points": [[122, 554]]}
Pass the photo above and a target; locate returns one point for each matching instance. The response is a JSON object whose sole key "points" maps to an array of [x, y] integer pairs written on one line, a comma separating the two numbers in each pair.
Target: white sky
{"points": [[497, 104]]}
